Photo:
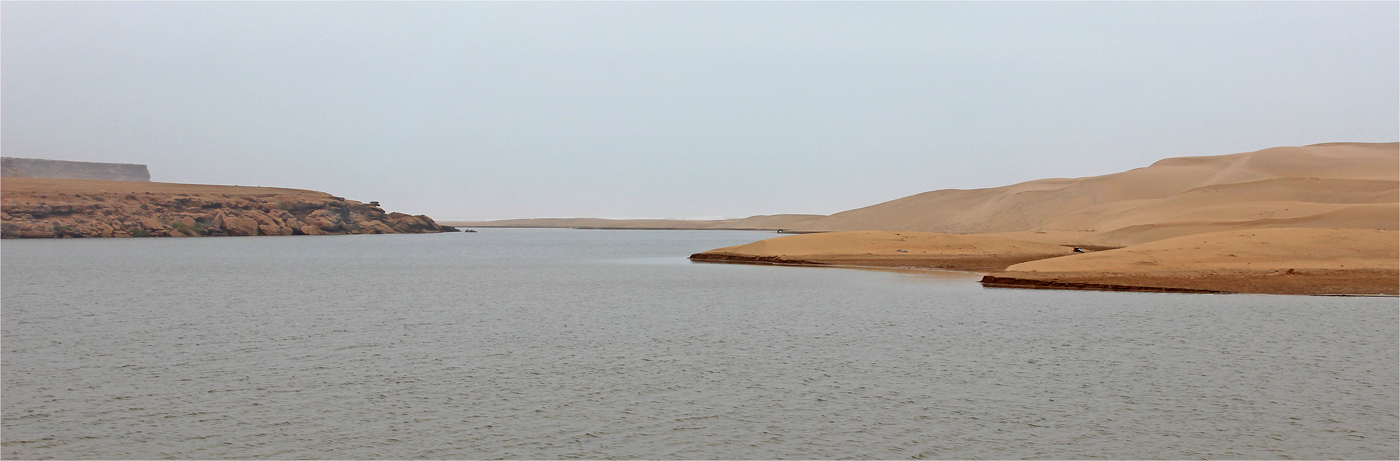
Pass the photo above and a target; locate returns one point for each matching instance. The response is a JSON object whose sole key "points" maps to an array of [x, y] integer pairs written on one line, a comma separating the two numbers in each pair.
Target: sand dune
{"points": [[1327, 185]]}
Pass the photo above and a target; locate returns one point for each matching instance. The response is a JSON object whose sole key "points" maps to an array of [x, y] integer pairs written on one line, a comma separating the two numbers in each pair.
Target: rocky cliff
{"points": [[61, 169], [55, 208]]}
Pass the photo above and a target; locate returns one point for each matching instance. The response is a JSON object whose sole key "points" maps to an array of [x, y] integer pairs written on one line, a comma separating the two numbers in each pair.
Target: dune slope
{"points": [[1325, 185]]}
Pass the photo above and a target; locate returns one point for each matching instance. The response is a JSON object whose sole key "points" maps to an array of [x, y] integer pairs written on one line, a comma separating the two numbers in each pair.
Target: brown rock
{"points": [[273, 229], [405, 222], [375, 227], [413, 224], [240, 226], [326, 220], [260, 217], [37, 230], [149, 223]]}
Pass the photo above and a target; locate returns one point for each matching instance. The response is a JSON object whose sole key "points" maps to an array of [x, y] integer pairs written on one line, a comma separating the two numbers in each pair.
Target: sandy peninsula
{"points": [[1320, 219]]}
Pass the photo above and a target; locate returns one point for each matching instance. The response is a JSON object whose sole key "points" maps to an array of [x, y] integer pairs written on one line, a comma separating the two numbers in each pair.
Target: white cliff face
{"points": [[62, 169]]}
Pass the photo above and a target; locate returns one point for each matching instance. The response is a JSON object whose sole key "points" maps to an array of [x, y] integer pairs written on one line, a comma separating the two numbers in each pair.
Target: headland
{"points": [[71, 208]]}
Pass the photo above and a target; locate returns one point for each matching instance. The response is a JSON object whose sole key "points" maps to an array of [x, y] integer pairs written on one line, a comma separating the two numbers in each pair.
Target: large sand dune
{"points": [[1327, 185]]}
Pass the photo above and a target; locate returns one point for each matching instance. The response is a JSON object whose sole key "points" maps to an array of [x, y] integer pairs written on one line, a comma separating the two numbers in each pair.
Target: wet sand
{"points": [[1279, 261]]}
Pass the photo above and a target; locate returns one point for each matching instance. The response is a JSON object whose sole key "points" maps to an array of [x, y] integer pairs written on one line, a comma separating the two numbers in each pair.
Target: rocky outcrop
{"points": [[62, 169], [51, 208]]}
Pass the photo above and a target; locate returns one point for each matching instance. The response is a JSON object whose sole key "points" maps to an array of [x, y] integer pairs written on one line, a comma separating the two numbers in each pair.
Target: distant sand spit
{"points": [[762, 222], [919, 250]]}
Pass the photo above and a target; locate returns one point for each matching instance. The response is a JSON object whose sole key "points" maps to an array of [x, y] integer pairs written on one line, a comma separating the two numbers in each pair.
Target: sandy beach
{"points": [[1319, 219], [1283, 261]]}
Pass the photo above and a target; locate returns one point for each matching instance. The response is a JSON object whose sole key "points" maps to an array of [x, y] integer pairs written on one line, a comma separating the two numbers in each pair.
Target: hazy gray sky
{"points": [[681, 110]]}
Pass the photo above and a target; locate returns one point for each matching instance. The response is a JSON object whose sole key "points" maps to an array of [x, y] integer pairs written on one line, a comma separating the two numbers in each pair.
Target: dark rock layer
{"points": [[1012, 282]]}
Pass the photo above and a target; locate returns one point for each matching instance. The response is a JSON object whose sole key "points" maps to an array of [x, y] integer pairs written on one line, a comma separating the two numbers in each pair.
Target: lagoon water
{"points": [[556, 343]]}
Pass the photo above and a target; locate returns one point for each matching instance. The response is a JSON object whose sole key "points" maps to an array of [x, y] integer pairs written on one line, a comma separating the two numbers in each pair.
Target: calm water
{"points": [[517, 343]]}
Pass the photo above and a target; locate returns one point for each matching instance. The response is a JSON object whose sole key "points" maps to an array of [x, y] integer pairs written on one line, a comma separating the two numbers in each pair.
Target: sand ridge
{"points": [[762, 222]]}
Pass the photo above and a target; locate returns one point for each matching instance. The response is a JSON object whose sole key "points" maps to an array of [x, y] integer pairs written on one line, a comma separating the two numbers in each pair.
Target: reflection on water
{"points": [[609, 344]]}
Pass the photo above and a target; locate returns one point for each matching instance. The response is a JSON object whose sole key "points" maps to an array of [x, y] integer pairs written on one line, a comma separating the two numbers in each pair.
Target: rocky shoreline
{"points": [[68, 208]]}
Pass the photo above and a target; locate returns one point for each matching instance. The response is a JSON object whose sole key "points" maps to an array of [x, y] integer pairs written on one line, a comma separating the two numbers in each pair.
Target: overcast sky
{"points": [[681, 110]]}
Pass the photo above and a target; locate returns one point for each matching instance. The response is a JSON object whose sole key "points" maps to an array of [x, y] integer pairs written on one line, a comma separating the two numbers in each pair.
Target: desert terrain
{"points": [[68, 208], [1320, 219]]}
